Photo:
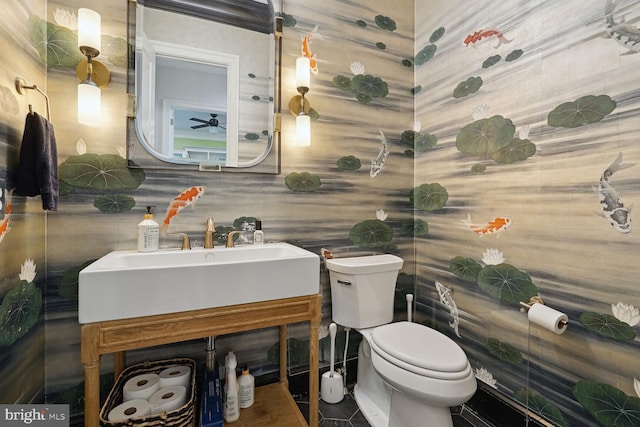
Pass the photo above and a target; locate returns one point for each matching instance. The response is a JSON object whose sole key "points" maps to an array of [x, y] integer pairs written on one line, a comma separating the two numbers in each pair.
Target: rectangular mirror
{"points": [[206, 85]]}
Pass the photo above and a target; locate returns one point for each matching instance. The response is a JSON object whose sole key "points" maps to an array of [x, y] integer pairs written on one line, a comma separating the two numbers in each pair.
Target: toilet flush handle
{"points": [[344, 282]]}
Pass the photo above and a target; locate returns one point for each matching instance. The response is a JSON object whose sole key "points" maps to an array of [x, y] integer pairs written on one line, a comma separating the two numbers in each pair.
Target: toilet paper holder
{"points": [[524, 307]]}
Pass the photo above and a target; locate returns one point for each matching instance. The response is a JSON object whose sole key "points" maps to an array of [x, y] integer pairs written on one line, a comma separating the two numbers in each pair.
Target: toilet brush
{"points": [[331, 387]]}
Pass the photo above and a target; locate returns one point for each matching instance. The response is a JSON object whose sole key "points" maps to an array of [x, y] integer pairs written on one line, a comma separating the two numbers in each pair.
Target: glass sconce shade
{"points": [[303, 130], [303, 72], [88, 103], [89, 31]]}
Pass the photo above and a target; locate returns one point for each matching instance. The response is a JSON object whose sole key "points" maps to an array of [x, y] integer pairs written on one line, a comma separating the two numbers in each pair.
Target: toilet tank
{"points": [[362, 289]]}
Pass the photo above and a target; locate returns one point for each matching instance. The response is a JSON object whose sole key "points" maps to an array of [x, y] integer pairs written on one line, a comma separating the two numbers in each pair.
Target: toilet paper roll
{"points": [[130, 409], [548, 318], [176, 375], [141, 387], [168, 399]]}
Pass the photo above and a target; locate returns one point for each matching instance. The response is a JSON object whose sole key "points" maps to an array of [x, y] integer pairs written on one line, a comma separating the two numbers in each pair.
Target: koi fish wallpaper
{"points": [[494, 147]]}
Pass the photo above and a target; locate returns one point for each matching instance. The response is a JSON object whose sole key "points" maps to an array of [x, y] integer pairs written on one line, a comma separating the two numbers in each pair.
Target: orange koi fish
{"points": [[473, 38], [186, 198], [306, 50], [494, 226], [4, 224]]}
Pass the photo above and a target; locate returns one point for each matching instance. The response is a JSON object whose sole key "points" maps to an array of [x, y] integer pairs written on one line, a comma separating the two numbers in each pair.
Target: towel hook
{"points": [[21, 85]]}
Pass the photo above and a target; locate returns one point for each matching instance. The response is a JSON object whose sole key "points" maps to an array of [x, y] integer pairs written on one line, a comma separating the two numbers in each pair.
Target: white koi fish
{"points": [[378, 163], [447, 299], [625, 34], [612, 208]]}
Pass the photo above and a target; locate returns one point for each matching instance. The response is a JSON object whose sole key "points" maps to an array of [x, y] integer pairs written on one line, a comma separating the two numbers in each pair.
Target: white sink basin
{"points": [[125, 284]]}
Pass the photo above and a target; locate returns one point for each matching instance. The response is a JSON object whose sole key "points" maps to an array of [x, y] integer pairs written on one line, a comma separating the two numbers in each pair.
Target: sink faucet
{"points": [[208, 234]]}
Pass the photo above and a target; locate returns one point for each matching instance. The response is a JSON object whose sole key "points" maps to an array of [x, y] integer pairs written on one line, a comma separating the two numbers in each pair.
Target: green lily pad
{"points": [[244, 221], [607, 404], [381, 46], [19, 311], [465, 268], [419, 141], [607, 326], [68, 286], [56, 45], [220, 235], [115, 48], [425, 54], [584, 110], [415, 228], [436, 35], [114, 203], [467, 87], [517, 150], [342, 82], [251, 136], [385, 23], [105, 172], [349, 163], [289, 21], [512, 56], [302, 182], [416, 90], [485, 136], [478, 168], [504, 351], [429, 197], [542, 406], [360, 23], [506, 283], [370, 86], [491, 61], [371, 233]]}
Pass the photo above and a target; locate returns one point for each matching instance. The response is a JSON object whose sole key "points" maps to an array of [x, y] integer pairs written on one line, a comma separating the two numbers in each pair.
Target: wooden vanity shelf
{"points": [[273, 405]]}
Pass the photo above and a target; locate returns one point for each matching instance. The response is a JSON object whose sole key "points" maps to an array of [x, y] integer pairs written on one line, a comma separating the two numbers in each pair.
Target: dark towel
{"points": [[38, 166]]}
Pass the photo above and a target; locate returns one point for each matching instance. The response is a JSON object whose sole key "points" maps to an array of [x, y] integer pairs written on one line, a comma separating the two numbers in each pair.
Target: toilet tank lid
{"points": [[365, 264]]}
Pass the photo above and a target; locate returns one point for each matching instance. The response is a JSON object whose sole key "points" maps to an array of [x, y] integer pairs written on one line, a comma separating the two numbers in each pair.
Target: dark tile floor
{"points": [[347, 414]]}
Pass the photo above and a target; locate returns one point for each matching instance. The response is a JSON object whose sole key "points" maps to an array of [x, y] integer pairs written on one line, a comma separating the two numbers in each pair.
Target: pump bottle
{"points": [[148, 233]]}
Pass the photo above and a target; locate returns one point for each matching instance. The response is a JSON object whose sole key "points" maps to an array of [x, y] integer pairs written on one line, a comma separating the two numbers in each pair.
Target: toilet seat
{"points": [[420, 350]]}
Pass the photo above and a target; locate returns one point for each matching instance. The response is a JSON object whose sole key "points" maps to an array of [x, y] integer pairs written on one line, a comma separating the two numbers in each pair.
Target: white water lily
{"points": [[486, 377], [66, 18], [357, 68], [626, 313], [417, 126], [524, 132], [480, 112], [636, 386], [381, 214], [81, 146], [28, 270], [492, 257]]}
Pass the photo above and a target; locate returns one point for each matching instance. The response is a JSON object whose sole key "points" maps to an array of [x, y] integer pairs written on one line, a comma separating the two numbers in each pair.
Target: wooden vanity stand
{"points": [[274, 405]]}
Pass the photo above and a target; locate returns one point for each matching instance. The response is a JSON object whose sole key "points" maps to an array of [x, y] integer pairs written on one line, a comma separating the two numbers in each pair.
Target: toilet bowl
{"points": [[408, 374]]}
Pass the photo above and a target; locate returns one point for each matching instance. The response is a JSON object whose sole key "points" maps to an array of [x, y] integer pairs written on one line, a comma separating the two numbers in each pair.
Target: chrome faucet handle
{"points": [[208, 234], [230, 239]]}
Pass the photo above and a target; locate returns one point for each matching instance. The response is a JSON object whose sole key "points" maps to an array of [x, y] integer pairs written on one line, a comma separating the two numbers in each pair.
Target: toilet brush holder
{"points": [[331, 387]]}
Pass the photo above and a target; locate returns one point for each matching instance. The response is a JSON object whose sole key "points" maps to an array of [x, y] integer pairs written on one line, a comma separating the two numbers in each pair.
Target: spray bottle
{"points": [[231, 407]]}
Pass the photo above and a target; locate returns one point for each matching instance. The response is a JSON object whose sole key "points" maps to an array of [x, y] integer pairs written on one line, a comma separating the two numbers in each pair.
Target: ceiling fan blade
{"points": [[195, 119], [199, 126]]}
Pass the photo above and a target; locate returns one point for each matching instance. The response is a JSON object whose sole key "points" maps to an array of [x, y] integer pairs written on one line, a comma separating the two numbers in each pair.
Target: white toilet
{"points": [[408, 374]]}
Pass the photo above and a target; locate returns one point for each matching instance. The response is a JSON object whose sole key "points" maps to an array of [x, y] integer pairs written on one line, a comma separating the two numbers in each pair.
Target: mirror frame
{"points": [[234, 12]]}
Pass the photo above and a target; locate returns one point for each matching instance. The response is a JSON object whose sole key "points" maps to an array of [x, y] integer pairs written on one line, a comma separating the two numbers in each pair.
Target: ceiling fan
{"points": [[212, 122]]}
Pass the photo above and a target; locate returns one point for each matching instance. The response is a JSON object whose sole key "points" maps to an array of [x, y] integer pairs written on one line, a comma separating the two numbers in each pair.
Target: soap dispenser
{"points": [[258, 235], [148, 233]]}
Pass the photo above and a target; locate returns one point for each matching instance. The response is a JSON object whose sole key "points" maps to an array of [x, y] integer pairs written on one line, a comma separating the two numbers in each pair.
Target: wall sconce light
{"points": [[299, 106], [92, 74]]}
